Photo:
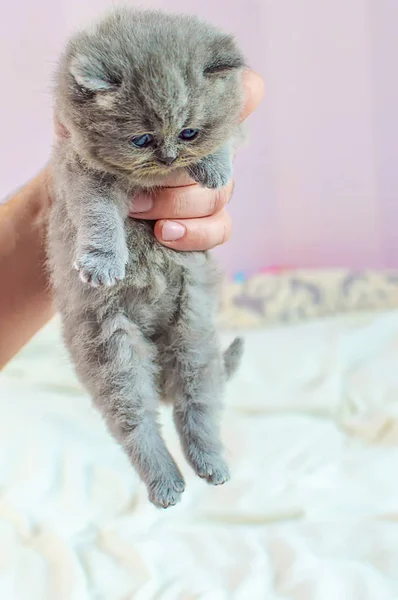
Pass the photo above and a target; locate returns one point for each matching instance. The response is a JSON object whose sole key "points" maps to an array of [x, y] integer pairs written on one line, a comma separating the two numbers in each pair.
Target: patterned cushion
{"points": [[300, 295]]}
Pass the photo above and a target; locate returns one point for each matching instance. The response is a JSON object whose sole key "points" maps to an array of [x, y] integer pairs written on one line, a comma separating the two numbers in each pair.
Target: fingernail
{"points": [[172, 231], [141, 203]]}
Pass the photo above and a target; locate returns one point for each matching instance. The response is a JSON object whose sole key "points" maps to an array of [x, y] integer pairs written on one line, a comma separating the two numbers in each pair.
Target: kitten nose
{"points": [[167, 160]]}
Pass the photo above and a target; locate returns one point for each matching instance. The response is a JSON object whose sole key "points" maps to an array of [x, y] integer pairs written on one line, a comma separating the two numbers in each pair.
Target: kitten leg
{"points": [[194, 377], [117, 364], [214, 170], [98, 212]]}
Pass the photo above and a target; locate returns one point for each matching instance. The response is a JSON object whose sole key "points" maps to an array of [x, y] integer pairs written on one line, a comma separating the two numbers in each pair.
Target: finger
{"points": [[181, 202], [195, 234], [254, 90], [59, 129]]}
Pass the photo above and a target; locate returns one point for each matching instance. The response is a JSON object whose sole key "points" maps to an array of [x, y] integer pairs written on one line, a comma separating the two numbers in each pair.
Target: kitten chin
{"points": [[159, 179]]}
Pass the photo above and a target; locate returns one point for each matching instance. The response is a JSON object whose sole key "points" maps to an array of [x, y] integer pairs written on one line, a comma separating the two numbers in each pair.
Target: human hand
{"points": [[188, 216]]}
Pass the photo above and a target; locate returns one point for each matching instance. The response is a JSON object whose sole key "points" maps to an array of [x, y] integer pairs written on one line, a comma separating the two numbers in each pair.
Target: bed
{"points": [[311, 428]]}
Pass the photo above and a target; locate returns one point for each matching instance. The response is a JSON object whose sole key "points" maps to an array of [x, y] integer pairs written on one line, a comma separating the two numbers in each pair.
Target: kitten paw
{"points": [[210, 467], [211, 176], [216, 181], [166, 490], [100, 268]]}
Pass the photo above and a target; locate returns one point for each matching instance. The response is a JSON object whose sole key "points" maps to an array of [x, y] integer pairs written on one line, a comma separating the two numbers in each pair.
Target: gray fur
{"points": [[138, 318], [232, 357]]}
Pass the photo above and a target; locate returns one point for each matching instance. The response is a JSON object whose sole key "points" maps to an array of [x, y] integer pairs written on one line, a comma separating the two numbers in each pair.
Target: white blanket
{"points": [[311, 427]]}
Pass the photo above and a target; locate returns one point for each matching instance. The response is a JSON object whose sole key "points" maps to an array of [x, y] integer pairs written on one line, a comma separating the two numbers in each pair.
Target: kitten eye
{"points": [[142, 141], [187, 135]]}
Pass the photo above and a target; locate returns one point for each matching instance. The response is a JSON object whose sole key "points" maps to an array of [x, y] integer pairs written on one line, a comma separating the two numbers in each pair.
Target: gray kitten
{"points": [[143, 94]]}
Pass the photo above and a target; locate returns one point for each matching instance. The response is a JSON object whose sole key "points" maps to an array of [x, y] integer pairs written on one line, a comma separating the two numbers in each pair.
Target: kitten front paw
{"points": [[216, 181], [99, 268], [211, 174]]}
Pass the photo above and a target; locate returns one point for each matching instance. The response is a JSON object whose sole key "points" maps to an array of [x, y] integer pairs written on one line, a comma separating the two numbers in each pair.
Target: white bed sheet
{"points": [[311, 512]]}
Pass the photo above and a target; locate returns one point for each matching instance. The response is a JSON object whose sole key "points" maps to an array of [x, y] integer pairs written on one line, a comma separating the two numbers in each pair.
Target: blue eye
{"points": [[142, 141], [188, 135]]}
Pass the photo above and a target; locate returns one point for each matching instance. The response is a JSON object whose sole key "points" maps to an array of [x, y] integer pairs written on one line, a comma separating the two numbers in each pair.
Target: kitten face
{"points": [[144, 93]]}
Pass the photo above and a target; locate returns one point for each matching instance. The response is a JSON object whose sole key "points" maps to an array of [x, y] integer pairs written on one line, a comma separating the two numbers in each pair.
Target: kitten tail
{"points": [[232, 357]]}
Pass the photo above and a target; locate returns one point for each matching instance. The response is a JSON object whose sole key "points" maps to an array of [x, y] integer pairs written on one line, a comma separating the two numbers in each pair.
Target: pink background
{"points": [[318, 182]]}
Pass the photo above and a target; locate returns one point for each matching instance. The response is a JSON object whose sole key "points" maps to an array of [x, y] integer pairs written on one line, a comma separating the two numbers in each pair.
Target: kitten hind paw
{"points": [[166, 491], [210, 467]]}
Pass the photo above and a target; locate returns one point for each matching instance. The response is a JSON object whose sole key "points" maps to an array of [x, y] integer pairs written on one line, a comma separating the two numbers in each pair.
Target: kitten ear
{"points": [[225, 57], [92, 74]]}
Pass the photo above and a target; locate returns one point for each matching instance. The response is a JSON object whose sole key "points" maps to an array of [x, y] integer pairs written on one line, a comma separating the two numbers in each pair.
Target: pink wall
{"points": [[318, 183]]}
